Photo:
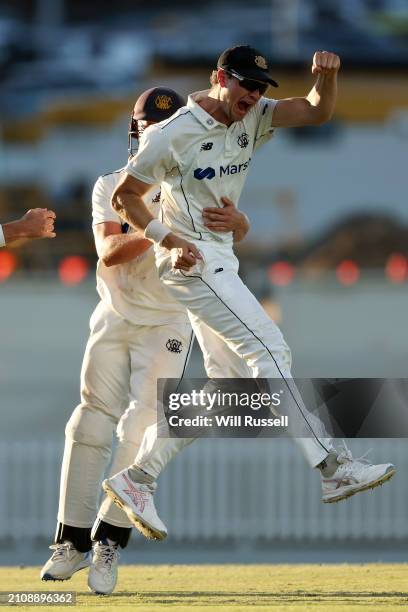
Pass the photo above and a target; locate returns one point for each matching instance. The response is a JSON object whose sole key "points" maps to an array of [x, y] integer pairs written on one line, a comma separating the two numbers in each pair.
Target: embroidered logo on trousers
{"points": [[173, 345]]}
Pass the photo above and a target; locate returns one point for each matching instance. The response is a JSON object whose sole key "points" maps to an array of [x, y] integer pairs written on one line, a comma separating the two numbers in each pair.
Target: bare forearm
{"points": [[15, 232], [132, 209], [121, 248], [241, 231], [323, 96]]}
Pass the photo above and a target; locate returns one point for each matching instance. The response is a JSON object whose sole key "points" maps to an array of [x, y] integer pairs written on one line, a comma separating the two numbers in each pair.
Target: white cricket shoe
{"points": [[136, 500], [64, 562], [353, 476], [103, 573]]}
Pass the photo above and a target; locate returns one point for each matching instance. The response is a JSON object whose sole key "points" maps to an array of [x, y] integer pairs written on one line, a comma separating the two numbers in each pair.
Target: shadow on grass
{"points": [[255, 597]]}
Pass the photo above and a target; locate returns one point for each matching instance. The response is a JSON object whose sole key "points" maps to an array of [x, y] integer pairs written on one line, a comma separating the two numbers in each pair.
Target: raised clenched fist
{"points": [[325, 62]]}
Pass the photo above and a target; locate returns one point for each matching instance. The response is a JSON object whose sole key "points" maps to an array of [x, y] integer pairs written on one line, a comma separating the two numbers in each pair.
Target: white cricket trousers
{"points": [[119, 374], [238, 339]]}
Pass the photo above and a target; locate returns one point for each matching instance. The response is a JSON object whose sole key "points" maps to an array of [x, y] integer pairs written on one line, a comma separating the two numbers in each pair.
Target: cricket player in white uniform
{"points": [[139, 333], [199, 155]]}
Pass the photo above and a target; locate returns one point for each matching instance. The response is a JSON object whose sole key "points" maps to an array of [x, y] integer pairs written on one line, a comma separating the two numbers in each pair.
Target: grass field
{"points": [[232, 588]]}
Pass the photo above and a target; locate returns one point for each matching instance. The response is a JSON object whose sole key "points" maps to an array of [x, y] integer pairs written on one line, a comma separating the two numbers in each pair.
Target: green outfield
{"points": [[233, 588]]}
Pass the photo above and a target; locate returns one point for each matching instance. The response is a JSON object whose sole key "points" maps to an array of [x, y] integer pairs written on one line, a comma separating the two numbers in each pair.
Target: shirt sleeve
{"points": [[101, 203], [264, 130], [153, 159]]}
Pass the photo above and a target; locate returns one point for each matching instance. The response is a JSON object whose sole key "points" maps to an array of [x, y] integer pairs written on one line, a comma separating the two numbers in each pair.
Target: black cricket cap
{"points": [[157, 104], [247, 62]]}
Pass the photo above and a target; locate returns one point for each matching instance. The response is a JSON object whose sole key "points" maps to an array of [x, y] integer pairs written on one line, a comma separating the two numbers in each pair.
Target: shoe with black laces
{"points": [[103, 573]]}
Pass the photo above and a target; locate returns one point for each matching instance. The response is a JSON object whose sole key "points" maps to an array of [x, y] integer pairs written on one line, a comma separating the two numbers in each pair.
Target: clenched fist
{"points": [[184, 255], [36, 223], [39, 223], [325, 62]]}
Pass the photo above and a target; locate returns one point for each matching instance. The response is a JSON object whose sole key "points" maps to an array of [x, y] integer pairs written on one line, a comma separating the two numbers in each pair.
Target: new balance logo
{"points": [[201, 174], [206, 146]]}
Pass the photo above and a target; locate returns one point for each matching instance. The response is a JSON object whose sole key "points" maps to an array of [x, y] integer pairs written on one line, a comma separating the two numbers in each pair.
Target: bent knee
{"points": [[133, 424], [90, 425]]}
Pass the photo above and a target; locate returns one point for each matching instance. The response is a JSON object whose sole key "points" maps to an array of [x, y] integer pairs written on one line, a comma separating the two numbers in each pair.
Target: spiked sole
{"points": [[140, 523], [364, 487], [49, 577]]}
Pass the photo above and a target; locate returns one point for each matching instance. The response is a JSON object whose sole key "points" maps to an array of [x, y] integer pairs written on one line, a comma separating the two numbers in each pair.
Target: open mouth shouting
{"points": [[243, 106]]}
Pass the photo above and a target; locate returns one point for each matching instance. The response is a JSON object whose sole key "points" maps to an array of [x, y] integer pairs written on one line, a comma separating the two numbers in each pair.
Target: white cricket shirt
{"points": [[132, 289], [197, 160]]}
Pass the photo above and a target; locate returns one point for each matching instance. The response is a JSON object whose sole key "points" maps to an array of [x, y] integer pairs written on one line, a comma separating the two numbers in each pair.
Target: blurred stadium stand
{"points": [[69, 75]]}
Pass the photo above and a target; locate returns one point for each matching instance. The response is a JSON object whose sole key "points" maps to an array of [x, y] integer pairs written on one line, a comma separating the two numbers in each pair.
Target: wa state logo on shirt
{"points": [[243, 140]]}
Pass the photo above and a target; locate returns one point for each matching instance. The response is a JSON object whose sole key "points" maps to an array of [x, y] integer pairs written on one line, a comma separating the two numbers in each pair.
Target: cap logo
{"points": [[261, 62], [163, 102]]}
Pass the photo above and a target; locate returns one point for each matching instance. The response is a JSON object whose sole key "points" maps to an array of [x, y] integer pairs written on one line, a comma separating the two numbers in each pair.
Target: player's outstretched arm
{"points": [[318, 106], [114, 247], [36, 223], [227, 219]]}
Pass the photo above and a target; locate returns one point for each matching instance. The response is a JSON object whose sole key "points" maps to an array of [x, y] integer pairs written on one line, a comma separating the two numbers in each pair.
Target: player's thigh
{"points": [[105, 369], [223, 302], [220, 300], [160, 351], [219, 360], [243, 322]]}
